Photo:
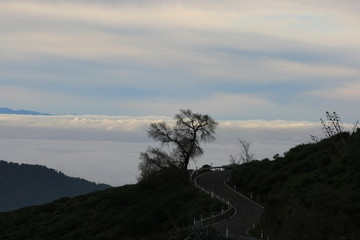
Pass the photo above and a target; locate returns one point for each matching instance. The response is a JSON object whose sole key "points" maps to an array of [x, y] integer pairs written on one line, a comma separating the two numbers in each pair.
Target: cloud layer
{"points": [[269, 60], [107, 148]]}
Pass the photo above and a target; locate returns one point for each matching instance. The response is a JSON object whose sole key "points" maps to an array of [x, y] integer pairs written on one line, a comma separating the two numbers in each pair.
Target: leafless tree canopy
{"points": [[245, 154], [183, 140]]}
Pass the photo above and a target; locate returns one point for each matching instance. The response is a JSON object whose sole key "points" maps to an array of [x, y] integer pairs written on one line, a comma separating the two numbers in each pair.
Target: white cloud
{"points": [[80, 122], [106, 148], [28, 97], [347, 91], [102, 31], [219, 104], [310, 69], [83, 45], [108, 162], [57, 54]]}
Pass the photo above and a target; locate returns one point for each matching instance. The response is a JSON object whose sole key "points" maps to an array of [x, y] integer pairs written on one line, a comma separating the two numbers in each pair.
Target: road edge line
{"points": [[242, 194], [232, 206]]}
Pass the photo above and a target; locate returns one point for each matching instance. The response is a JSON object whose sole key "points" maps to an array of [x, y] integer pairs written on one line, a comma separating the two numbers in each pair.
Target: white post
{"points": [[212, 193], [194, 221], [251, 195], [227, 232], [262, 234]]}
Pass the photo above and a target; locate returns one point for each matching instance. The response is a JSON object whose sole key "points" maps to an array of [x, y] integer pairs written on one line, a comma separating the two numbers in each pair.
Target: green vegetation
{"points": [[160, 207], [313, 192]]}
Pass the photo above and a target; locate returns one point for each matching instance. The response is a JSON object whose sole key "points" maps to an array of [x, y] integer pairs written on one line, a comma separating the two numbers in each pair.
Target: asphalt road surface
{"points": [[247, 211]]}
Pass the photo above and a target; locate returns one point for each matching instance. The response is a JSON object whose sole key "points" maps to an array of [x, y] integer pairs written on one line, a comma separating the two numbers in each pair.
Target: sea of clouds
{"points": [[106, 149]]}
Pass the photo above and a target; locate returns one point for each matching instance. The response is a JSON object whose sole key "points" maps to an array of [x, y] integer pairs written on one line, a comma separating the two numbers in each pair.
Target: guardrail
{"points": [[224, 214], [195, 171], [262, 235], [215, 218]]}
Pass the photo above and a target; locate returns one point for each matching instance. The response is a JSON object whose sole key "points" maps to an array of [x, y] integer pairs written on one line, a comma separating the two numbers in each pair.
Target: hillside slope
{"points": [[25, 185], [313, 192], [155, 209]]}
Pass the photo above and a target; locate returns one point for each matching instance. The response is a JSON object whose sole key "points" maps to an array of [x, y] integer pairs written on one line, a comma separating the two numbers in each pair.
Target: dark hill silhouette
{"points": [[25, 185], [20, 112], [161, 207], [312, 192]]}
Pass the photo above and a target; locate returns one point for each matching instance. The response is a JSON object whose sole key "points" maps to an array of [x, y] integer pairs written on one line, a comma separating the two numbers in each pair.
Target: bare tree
{"points": [[355, 127], [182, 140], [245, 154], [153, 160], [233, 159]]}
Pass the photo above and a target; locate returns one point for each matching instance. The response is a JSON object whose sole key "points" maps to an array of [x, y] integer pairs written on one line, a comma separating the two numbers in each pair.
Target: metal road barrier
{"points": [[224, 214], [217, 218]]}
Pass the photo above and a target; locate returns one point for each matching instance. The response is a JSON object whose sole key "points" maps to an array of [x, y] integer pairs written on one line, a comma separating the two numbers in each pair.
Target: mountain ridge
{"points": [[21, 112], [23, 185]]}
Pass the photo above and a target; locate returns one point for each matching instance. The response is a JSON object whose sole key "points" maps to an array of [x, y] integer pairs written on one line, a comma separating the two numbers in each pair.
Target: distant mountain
{"points": [[25, 185], [20, 112]]}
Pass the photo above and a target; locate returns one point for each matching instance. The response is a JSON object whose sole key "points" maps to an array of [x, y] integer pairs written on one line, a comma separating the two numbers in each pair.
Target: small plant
{"points": [[334, 131], [333, 125]]}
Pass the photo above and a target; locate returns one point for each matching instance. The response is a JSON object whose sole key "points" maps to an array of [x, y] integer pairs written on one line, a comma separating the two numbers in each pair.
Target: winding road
{"points": [[247, 211]]}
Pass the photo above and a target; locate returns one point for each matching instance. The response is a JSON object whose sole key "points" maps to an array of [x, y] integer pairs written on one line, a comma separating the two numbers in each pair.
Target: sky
{"points": [[257, 67]]}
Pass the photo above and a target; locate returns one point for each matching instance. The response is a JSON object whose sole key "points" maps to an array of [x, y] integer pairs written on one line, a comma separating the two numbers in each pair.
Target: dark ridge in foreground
{"points": [[160, 208], [24, 185], [313, 192]]}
